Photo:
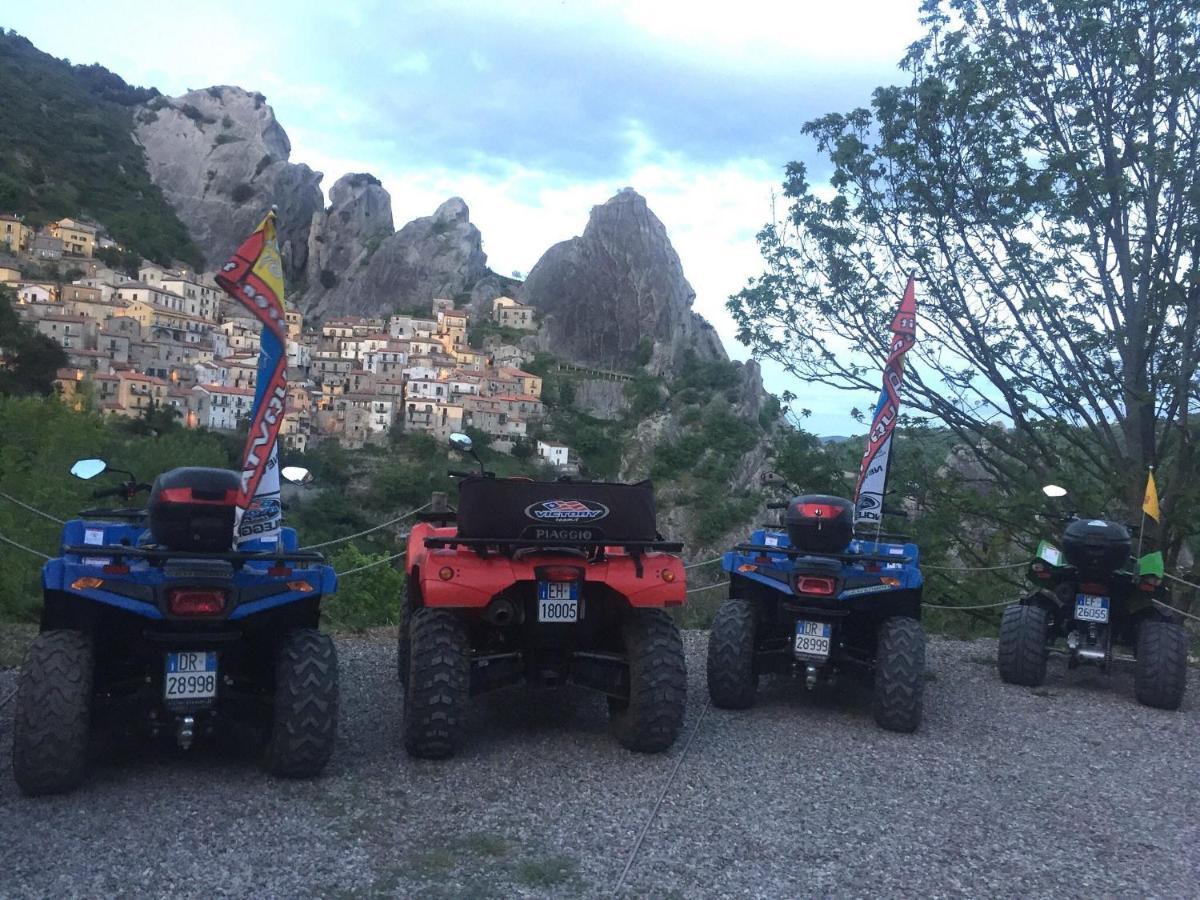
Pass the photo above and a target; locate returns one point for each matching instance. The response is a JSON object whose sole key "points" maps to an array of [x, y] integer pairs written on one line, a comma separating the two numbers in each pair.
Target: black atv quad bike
{"points": [[1094, 596]]}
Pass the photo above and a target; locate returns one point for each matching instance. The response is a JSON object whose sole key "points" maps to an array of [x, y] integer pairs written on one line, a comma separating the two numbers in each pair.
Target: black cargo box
{"points": [[193, 508], [818, 523], [1094, 545], [580, 512]]}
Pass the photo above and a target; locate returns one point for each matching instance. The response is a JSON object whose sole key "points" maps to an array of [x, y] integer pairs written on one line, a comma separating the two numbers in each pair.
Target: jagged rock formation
{"points": [[602, 293], [344, 236], [433, 256], [221, 160]]}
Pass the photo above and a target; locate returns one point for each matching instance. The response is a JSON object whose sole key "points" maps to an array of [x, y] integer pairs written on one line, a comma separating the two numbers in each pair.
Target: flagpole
{"points": [[1142, 530]]}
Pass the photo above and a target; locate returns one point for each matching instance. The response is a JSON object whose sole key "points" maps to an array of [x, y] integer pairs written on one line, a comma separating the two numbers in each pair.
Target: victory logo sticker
{"points": [[562, 512]]}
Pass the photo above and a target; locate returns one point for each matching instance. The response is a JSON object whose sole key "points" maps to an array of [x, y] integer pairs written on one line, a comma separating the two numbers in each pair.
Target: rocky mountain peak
{"points": [[354, 269], [453, 211], [222, 160], [603, 294]]}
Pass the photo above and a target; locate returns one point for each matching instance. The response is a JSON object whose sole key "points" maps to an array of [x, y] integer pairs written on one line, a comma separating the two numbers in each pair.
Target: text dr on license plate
{"points": [[558, 601], [812, 639], [191, 675]]}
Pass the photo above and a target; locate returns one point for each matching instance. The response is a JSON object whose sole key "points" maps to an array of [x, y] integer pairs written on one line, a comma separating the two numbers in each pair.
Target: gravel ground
{"points": [[1069, 790]]}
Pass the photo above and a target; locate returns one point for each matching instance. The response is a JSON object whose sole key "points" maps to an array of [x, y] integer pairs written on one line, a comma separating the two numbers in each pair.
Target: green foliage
{"points": [[30, 359], [645, 350], [367, 598], [1030, 175], [645, 396], [720, 440], [68, 151], [41, 439], [805, 464]]}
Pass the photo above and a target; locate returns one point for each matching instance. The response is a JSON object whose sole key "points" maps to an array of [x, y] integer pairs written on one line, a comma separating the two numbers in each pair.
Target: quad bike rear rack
{"points": [[507, 546], [845, 557], [118, 551]]}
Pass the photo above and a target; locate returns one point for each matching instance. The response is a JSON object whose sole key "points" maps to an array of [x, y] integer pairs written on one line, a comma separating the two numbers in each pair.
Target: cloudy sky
{"points": [[532, 110]]}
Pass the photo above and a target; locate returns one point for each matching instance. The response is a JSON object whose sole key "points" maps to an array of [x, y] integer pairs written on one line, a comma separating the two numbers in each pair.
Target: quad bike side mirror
{"points": [[461, 442], [88, 468], [297, 474], [1054, 491]]}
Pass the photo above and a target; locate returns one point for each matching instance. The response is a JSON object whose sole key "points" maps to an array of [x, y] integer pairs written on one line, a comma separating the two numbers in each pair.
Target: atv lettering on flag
{"points": [[872, 474], [254, 277]]}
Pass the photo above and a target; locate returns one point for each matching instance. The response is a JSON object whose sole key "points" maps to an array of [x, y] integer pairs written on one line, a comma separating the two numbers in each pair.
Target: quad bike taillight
{"points": [[814, 584], [558, 573], [1149, 583], [196, 602]]}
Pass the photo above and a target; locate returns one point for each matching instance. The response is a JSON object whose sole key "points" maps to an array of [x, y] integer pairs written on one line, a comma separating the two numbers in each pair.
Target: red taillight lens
{"points": [[817, 511], [558, 573], [193, 602], [115, 569], [193, 496], [279, 571], [1149, 583], [809, 584], [1091, 587]]}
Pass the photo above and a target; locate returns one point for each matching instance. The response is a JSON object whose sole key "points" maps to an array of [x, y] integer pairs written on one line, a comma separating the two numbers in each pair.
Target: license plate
{"points": [[812, 639], [1090, 608], [558, 601], [191, 675]]}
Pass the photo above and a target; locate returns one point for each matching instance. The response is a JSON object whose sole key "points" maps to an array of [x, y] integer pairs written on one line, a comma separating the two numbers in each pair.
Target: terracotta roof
{"points": [[222, 389]]}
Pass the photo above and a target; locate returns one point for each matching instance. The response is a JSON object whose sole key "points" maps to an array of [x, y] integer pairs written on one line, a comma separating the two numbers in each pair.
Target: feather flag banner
{"points": [[872, 473], [254, 277]]}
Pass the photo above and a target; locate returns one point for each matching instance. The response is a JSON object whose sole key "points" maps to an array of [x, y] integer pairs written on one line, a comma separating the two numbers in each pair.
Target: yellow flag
{"points": [[1150, 501]]}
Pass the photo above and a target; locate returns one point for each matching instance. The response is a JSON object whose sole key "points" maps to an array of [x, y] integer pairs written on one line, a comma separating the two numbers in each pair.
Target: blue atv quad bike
{"points": [[809, 599], [152, 625]]}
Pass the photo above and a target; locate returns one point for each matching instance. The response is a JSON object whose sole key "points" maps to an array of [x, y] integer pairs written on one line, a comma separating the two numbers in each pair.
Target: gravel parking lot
{"points": [[1069, 790]]}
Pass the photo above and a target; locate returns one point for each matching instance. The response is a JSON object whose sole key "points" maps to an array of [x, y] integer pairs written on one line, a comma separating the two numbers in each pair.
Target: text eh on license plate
{"points": [[191, 675], [558, 601], [812, 639]]}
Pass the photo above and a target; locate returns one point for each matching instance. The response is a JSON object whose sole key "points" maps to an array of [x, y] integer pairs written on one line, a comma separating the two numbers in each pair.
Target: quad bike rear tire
{"points": [[403, 640], [899, 674], [437, 689], [1022, 652], [732, 681], [1161, 674], [651, 719], [304, 725], [53, 715]]}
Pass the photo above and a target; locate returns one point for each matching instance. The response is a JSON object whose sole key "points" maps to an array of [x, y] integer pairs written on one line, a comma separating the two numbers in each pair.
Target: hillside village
{"points": [[172, 339]]}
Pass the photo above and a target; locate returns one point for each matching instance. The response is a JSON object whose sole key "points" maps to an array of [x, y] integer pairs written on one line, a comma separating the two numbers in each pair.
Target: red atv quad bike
{"points": [[542, 583]]}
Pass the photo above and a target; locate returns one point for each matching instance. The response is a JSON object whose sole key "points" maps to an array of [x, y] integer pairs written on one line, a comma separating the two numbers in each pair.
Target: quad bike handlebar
{"points": [[128, 490]]}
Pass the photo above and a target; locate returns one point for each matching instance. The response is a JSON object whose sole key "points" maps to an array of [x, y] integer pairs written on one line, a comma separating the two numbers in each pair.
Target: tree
{"points": [[29, 360], [1039, 175]]}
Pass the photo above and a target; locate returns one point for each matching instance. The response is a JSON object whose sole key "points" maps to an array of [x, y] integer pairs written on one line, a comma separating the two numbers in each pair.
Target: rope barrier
{"points": [[703, 562], [371, 565], [1186, 615], [8, 540], [1018, 565], [1182, 581], [979, 606], [351, 537], [44, 515], [637, 845], [707, 587]]}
